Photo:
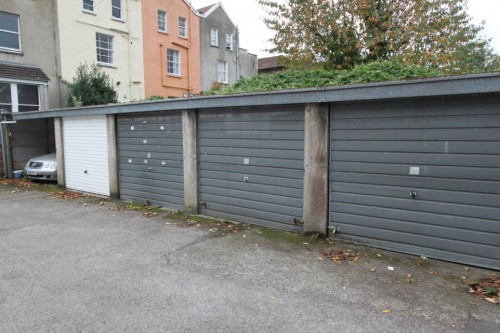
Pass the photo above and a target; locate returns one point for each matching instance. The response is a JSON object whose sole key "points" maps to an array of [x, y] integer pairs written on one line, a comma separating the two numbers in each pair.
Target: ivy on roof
{"points": [[294, 79]]}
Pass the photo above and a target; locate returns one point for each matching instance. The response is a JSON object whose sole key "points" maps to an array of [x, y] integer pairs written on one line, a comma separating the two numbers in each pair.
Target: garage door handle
{"points": [[413, 194]]}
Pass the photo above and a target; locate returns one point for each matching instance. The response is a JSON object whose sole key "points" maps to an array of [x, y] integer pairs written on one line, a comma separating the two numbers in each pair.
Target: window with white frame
{"points": [[10, 36], [162, 21], [214, 37], [105, 49], [17, 97], [116, 9], [222, 72], [89, 5], [229, 41], [182, 27], [173, 62]]}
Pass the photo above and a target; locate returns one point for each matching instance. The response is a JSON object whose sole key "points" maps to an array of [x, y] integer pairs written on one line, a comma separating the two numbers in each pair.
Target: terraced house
{"points": [[148, 48]]}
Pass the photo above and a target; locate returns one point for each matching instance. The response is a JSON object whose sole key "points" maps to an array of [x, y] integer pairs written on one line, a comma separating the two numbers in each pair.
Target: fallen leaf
{"points": [[373, 269], [386, 311], [472, 303], [320, 258], [409, 278], [466, 268], [379, 255], [102, 203], [433, 273], [305, 243], [273, 298]]}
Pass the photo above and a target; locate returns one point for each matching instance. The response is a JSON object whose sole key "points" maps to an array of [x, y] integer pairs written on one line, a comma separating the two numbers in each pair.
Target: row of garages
{"points": [[417, 175]]}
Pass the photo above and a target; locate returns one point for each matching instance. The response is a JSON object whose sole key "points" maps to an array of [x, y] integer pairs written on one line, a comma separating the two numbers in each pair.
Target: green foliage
{"points": [[154, 98], [372, 72], [340, 34], [91, 86], [491, 290]]}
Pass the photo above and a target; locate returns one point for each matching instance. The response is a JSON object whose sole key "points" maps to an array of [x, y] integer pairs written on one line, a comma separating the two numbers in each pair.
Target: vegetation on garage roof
{"points": [[292, 79]]}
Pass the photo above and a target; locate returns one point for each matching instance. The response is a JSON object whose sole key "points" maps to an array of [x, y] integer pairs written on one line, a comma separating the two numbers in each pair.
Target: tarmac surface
{"points": [[81, 265]]}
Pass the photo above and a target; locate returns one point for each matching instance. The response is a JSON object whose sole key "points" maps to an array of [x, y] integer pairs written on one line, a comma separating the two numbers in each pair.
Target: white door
{"points": [[86, 154]]}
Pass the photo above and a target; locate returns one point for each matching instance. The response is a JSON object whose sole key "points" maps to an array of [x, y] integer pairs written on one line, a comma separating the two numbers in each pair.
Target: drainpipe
{"points": [[238, 64], [129, 46], [3, 150]]}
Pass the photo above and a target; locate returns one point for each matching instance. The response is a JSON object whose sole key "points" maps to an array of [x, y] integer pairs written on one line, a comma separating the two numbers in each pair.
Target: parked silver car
{"points": [[42, 168]]}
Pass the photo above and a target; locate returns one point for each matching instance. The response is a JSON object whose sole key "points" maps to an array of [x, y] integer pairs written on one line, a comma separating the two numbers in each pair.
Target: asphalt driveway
{"points": [[80, 266]]}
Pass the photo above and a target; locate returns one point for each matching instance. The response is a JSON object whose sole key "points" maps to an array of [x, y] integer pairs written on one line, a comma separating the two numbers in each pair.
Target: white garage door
{"points": [[86, 154]]}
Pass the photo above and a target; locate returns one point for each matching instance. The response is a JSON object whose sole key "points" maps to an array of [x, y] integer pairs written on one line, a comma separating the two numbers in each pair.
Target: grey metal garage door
{"points": [[150, 159], [252, 165], [422, 178]]}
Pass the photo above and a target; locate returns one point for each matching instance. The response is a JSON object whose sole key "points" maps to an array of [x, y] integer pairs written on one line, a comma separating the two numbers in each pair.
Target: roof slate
{"points": [[22, 72], [270, 62], [206, 8]]}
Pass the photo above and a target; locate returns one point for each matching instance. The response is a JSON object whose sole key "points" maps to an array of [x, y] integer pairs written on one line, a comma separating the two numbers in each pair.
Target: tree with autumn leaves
{"points": [[339, 34]]}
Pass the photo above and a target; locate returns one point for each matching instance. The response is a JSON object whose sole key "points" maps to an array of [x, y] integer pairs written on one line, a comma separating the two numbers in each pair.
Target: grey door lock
{"points": [[413, 194]]}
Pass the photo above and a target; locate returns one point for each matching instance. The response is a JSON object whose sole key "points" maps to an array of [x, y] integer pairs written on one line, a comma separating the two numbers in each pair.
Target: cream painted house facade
{"points": [[108, 33]]}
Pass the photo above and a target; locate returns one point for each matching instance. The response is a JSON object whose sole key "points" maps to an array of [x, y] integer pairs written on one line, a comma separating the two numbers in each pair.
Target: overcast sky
{"points": [[248, 15]]}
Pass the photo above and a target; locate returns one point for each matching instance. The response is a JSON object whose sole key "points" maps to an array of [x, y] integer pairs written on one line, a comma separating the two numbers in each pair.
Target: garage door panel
{"points": [[260, 177], [213, 194], [153, 198], [268, 182], [419, 205], [255, 187], [290, 137], [160, 157], [469, 134], [86, 154], [167, 183], [445, 150], [160, 166], [447, 147], [461, 185], [425, 171], [215, 170], [249, 215], [474, 250], [423, 193], [147, 142], [418, 122], [245, 125], [152, 125], [421, 218], [439, 159], [254, 144], [165, 189], [255, 153], [260, 205], [455, 233], [151, 158], [256, 161]]}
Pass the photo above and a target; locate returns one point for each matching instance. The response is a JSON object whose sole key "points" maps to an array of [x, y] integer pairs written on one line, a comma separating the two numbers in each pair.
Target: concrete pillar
{"points": [[316, 156], [6, 151], [112, 157], [190, 146], [58, 133]]}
